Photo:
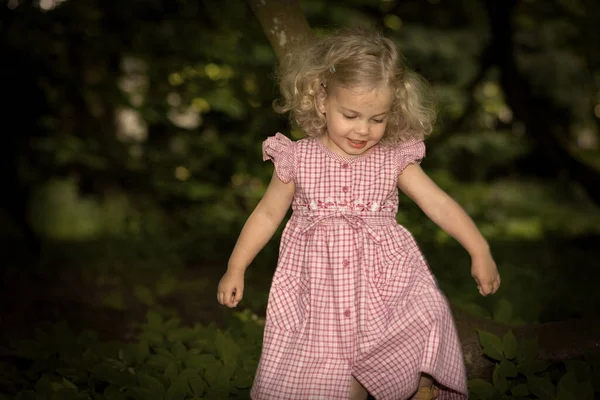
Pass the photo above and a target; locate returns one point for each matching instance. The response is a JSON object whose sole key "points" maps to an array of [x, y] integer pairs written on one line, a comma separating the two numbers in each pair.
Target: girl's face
{"points": [[356, 118]]}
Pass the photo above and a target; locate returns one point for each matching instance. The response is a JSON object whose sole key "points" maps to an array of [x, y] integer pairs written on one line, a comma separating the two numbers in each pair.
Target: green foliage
{"points": [[166, 362], [519, 373]]}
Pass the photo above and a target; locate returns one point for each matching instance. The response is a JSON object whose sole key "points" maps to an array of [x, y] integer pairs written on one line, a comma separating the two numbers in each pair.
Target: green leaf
{"points": [[538, 366], [198, 385], [212, 375], [67, 394], [569, 387], [166, 285], [172, 372], [28, 395], [500, 382], [182, 335], [155, 320], [151, 383], [68, 384], [227, 372], [111, 375], [113, 393], [227, 348], [492, 345], [162, 351], [527, 350], [568, 383], [179, 389], [139, 393], [243, 380], [581, 369], [565, 395], [476, 309], [115, 300], [159, 361], [481, 388], [128, 354], [510, 345], [179, 351], [73, 374], [520, 390], [503, 310], [44, 385], [202, 361], [172, 323], [153, 338], [507, 369], [143, 294], [543, 388], [142, 351]]}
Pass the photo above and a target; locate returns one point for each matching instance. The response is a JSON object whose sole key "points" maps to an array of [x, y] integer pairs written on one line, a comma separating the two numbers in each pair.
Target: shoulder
{"points": [[408, 152], [410, 147]]}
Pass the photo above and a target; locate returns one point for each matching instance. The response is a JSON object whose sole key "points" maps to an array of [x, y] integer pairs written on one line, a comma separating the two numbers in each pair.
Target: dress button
{"points": [[346, 263], [345, 189], [347, 313], [345, 165]]}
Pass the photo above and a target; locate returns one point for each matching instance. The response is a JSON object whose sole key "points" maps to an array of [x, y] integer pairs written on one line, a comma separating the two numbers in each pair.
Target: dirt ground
{"points": [[30, 300]]}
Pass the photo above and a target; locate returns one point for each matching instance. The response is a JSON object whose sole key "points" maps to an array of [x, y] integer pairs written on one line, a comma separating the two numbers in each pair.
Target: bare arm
{"points": [[452, 218], [257, 231], [442, 209], [262, 223]]}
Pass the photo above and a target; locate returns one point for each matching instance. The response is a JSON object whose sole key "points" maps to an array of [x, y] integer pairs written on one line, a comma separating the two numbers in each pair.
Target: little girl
{"points": [[353, 307]]}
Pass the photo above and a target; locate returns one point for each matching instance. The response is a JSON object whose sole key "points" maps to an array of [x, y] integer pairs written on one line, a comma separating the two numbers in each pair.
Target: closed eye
{"points": [[349, 116], [379, 121]]}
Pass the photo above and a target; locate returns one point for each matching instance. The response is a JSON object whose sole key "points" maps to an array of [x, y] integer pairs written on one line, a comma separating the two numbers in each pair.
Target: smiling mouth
{"points": [[357, 144]]}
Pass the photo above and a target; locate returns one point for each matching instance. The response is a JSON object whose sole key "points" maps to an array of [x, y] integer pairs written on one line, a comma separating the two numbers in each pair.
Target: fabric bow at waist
{"points": [[356, 221]]}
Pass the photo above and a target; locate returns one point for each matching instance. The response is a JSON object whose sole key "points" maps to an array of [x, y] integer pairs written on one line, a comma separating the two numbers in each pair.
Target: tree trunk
{"points": [[283, 22], [544, 121], [558, 340]]}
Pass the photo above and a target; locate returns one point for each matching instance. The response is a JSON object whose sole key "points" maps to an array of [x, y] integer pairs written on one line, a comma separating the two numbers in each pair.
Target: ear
{"points": [[321, 99]]}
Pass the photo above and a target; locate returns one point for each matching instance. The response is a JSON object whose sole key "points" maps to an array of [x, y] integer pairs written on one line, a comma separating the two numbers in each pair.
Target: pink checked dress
{"points": [[352, 294]]}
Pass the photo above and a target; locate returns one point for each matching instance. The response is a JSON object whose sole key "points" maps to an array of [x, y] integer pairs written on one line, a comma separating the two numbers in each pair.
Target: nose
{"points": [[362, 127]]}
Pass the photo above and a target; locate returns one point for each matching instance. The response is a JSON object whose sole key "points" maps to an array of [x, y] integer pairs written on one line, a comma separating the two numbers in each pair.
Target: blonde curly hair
{"points": [[354, 57]]}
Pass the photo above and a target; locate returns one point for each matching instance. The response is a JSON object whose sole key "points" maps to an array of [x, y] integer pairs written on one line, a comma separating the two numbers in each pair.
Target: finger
{"points": [[486, 289], [237, 297], [495, 284], [237, 300], [231, 298], [220, 297]]}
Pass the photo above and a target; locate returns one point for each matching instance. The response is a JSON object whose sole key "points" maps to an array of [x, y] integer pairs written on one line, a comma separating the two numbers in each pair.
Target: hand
{"points": [[485, 273], [231, 289]]}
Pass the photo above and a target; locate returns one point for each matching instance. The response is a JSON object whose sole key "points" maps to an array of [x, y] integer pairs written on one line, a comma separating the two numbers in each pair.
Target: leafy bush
{"points": [[166, 361], [520, 374]]}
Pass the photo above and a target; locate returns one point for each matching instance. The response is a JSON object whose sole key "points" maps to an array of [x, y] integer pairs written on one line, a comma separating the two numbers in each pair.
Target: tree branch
{"points": [[283, 23], [557, 340]]}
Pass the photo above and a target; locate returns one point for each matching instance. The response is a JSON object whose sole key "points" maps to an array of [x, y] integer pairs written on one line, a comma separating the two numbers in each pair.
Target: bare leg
{"points": [[357, 391], [426, 390]]}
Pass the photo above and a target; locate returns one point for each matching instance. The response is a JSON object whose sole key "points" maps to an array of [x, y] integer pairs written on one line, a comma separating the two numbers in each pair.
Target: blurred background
{"points": [[132, 136]]}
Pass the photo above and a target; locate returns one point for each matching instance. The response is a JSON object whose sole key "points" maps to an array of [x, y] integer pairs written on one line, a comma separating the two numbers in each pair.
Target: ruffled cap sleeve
{"points": [[409, 152], [282, 152]]}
